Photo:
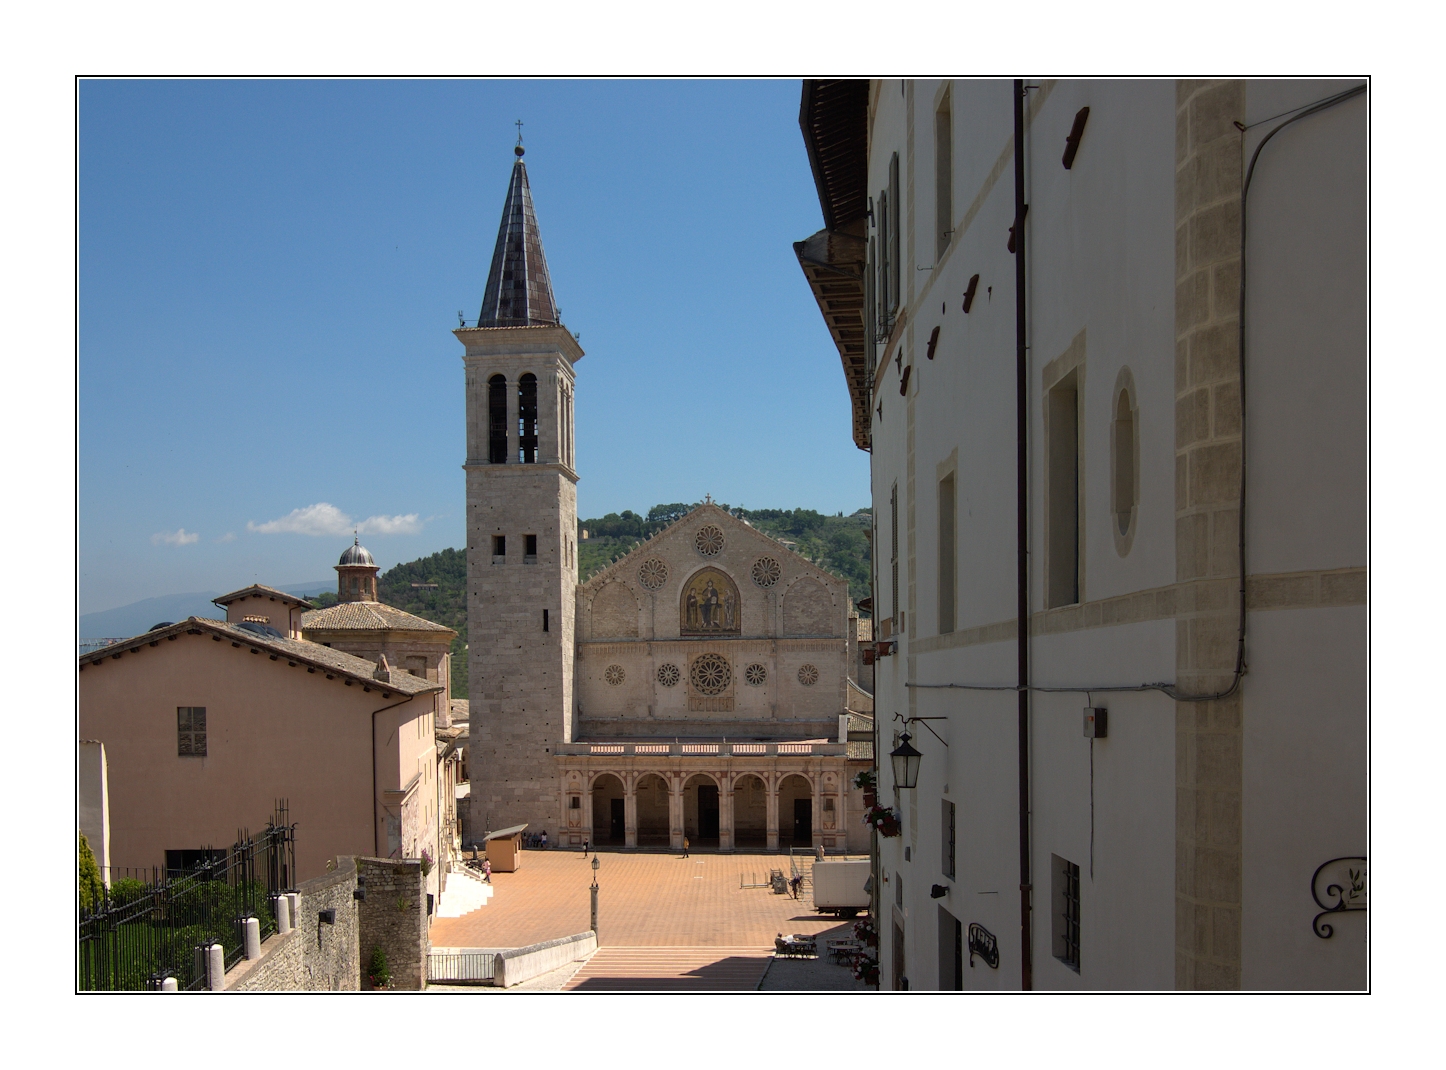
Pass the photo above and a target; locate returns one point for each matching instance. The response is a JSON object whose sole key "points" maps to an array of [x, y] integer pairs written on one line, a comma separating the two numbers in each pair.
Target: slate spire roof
{"points": [[519, 289]]}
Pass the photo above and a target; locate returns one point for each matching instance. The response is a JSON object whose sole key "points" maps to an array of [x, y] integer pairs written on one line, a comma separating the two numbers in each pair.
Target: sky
{"points": [[259, 373]]}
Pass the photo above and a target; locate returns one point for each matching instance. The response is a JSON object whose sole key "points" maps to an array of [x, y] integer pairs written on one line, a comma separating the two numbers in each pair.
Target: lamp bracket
{"points": [[911, 720]]}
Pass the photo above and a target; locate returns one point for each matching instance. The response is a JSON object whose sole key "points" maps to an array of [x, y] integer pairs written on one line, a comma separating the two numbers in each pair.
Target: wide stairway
{"points": [[671, 969], [465, 893]]}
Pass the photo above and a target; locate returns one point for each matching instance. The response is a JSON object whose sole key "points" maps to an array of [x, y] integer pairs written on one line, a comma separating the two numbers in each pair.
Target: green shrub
{"points": [[378, 974]]}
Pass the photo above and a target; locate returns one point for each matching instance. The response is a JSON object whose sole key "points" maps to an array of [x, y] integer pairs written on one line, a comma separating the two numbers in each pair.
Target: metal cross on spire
{"points": [[519, 131]]}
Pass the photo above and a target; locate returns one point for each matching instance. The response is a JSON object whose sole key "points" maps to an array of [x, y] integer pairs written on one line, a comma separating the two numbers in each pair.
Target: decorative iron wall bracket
{"points": [[983, 944], [1337, 886]]}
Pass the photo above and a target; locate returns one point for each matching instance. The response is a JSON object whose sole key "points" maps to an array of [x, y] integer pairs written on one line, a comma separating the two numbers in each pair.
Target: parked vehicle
{"points": [[838, 886]]}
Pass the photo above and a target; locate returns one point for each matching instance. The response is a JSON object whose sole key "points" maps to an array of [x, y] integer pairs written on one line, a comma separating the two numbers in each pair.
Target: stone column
{"points": [[725, 812], [630, 810], [1208, 735], [675, 811], [817, 802], [770, 791], [587, 811]]}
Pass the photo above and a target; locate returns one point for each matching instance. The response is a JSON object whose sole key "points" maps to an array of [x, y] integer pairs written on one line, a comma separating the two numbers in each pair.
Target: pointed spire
{"points": [[519, 289]]}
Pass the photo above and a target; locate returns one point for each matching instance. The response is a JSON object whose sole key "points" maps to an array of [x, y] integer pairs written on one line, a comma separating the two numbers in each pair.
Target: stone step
{"points": [[672, 969]]}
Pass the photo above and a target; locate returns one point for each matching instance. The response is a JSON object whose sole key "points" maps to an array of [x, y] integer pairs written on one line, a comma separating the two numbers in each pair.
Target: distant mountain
{"points": [[126, 621]]}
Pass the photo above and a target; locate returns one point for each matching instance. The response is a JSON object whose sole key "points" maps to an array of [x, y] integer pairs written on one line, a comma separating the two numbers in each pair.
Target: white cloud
{"points": [[230, 536], [323, 518], [179, 537], [390, 525]]}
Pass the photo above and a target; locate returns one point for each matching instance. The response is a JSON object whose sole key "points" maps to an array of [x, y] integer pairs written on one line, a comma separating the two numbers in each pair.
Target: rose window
{"points": [[755, 674], [652, 573], [709, 541], [710, 674], [614, 674], [807, 675], [668, 675], [766, 572]]}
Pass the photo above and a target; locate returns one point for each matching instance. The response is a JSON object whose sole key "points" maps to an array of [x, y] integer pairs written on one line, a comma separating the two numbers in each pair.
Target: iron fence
{"points": [[460, 966], [142, 932]]}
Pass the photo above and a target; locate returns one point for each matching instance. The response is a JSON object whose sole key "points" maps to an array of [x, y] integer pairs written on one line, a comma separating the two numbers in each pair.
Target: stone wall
{"points": [[313, 956], [394, 918]]}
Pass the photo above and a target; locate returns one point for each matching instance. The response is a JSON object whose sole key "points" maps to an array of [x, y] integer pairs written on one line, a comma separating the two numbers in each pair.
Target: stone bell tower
{"points": [[521, 529]]}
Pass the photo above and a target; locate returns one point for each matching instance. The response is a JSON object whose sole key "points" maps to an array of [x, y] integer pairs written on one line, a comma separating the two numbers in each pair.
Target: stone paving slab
{"points": [[671, 969], [645, 900]]}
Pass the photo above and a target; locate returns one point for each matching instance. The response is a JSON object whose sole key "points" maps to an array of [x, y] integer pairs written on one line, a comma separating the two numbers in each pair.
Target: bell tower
{"points": [[521, 529]]}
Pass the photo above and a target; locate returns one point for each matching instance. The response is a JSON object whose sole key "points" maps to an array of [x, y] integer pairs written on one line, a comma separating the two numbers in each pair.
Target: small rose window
{"points": [[807, 675], [668, 675], [709, 541], [615, 674], [766, 572], [756, 674]]}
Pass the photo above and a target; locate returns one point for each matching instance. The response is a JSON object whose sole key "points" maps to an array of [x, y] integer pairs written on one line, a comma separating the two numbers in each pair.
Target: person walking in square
{"points": [[487, 870], [584, 846], [685, 846]]}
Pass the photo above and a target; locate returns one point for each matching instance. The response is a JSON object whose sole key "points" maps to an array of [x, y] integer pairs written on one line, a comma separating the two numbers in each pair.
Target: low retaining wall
{"points": [[314, 956], [524, 963]]}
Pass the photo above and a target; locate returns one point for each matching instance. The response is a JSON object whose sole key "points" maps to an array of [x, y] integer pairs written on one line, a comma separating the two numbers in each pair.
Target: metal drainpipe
{"points": [[376, 842], [1021, 416]]}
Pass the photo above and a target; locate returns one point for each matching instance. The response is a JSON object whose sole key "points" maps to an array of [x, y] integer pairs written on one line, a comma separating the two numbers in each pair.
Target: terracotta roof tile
{"points": [[367, 616]]}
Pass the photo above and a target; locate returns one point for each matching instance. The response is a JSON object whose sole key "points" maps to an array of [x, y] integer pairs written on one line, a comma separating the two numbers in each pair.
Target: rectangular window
{"points": [[943, 177], [871, 317], [946, 554], [894, 554], [191, 731], [1065, 911], [529, 546], [180, 863], [946, 847], [499, 545], [544, 620], [894, 250], [882, 289], [1062, 503]]}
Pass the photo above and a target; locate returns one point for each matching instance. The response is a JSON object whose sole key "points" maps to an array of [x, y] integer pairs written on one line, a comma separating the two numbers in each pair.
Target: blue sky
{"points": [[270, 271]]}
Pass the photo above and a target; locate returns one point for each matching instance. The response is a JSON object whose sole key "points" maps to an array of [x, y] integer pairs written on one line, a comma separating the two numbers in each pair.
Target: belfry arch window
{"points": [[527, 419], [497, 420]]}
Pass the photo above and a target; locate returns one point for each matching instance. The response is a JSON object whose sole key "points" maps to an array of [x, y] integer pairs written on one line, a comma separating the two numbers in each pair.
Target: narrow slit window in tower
{"points": [[946, 554]]}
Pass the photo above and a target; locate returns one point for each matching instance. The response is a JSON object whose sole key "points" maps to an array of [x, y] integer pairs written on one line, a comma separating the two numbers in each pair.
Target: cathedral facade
{"points": [[696, 688]]}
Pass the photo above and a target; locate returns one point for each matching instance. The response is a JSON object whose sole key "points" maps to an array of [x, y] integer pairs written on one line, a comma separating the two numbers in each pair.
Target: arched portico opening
{"points": [[795, 812], [652, 805], [608, 811], [750, 812], [700, 810]]}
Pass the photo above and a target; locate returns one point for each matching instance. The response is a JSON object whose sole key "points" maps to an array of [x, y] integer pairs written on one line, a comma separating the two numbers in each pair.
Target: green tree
{"points": [[92, 888]]}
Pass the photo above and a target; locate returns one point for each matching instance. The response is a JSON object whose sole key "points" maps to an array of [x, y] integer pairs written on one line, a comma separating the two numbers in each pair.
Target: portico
{"points": [[720, 796]]}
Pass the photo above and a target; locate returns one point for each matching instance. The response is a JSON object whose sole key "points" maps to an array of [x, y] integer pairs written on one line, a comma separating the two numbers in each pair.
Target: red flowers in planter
{"points": [[883, 820]]}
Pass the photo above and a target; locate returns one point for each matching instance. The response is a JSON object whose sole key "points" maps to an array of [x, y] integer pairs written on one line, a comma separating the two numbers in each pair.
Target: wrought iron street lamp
{"points": [[906, 763], [593, 889]]}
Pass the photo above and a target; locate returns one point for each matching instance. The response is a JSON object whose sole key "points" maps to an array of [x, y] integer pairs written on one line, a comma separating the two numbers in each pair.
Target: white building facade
{"points": [[1192, 841]]}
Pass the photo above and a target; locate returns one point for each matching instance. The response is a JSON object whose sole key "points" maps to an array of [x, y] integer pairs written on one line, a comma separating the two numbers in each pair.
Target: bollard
{"points": [[168, 984], [293, 902], [252, 928], [216, 955], [283, 914]]}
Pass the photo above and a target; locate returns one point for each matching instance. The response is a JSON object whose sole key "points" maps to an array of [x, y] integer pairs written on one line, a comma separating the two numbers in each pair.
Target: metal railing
{"points": [[460, 966], [141, 932]]}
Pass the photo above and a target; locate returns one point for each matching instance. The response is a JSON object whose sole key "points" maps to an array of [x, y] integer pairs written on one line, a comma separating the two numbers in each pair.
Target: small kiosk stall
{"points": [[504, 849]]}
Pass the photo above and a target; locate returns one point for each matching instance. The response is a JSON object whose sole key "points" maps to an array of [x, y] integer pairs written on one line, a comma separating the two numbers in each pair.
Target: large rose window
{"points": [[710, 674]]}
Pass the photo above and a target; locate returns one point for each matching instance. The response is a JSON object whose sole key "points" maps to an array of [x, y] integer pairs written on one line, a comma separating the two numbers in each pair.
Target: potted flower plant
{"points": [[883, 820]]}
